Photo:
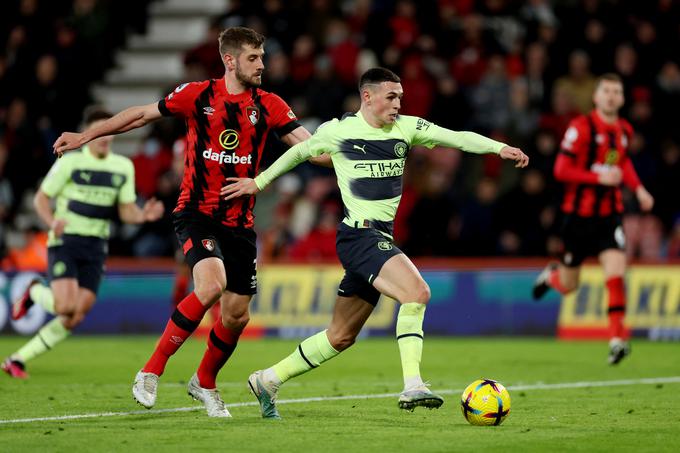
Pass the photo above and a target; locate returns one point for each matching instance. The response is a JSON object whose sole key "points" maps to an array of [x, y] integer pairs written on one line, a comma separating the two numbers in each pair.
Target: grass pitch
{"points": [[564, 398]]}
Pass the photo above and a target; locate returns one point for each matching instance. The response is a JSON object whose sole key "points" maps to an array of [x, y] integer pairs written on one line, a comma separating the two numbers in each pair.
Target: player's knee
{"points": [[63, 307], [209, 291], [421, 293], [71, 322], [341, 340], [236, 323]]}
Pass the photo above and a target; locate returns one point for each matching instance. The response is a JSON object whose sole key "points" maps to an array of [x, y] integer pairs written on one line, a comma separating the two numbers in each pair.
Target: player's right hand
{"points": [[610, 177], [58, 226], [68, 141], [238, 187]]}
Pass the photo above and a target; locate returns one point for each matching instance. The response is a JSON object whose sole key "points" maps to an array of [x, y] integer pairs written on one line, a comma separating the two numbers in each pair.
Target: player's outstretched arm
{"points": [[301, 134], [124, 121], [516, 154], [237, 187]]}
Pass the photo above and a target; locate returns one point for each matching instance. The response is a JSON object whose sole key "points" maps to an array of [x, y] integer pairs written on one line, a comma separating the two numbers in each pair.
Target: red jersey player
{"points": [[227, 122], [591, 165]]}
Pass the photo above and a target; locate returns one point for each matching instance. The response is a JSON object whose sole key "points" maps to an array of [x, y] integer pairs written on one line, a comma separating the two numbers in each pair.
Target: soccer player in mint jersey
{"points": [[88, 186], [227, 122], [368, 149], [592, 164]]}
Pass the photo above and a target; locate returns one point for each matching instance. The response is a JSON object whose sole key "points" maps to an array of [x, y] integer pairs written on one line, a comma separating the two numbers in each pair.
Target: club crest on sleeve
{"points": [[253, 114], [208, 244]]}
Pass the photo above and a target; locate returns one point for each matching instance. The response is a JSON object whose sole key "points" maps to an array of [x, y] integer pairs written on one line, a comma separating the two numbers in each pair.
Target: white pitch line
{"points": [[536, 386]]}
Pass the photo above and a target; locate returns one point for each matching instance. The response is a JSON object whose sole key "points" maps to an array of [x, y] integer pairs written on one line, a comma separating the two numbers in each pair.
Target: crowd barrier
{"points": [[469, 297]]}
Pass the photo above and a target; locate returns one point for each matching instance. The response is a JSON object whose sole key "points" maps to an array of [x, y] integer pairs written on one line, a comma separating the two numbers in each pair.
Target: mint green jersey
{"points": [[369, 161], [88, 190]]}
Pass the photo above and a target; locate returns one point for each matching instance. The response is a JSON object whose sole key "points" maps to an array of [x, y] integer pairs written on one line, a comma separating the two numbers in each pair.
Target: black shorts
{"points": [[362, 252], [79, 257], [588, 236], [201, 237]]}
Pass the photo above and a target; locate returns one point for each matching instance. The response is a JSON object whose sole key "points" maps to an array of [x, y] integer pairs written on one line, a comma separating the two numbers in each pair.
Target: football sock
{"points": [[221, 343], [42, 295], [617, 307], [47, 337], [555, 283], [410, 340], [181, 324], [309, 354]]}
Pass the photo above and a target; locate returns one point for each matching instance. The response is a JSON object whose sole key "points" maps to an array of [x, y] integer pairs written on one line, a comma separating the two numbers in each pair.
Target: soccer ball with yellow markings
{"points": [[485, 402]]}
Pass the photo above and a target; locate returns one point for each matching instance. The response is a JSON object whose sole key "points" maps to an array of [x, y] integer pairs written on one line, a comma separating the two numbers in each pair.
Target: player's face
{"points": [[608, 97], [102, 145], [384, 101], [249, 66]]}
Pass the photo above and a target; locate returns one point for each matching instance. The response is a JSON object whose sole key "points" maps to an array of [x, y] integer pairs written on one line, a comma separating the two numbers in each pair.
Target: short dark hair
{"points": [[95, 113], [377, 76], [609, 77], [232, 39]]}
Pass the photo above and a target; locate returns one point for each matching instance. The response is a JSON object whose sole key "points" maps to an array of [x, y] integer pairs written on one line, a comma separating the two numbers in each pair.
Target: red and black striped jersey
{"points": [[226, 134], [589, 147]]}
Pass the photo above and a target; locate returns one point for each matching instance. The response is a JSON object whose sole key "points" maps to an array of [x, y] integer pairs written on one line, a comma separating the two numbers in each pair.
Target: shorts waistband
{"points": [[382, 226]]}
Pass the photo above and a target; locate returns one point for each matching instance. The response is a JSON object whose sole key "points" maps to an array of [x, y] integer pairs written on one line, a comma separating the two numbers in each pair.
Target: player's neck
{"points": [[609, 118], [370, 119], [233, 86]]}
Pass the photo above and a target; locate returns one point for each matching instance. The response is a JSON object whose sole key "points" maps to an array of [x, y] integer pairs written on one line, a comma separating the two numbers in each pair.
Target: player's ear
{"points": [[229, 61]]}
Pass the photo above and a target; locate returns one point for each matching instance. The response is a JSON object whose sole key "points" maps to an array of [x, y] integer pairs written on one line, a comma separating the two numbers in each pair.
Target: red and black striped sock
{"points": [[221, 343], [182, 323], [617, 307]]}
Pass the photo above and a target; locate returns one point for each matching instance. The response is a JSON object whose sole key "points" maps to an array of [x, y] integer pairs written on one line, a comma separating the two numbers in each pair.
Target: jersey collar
{"points": [[88, 152]]}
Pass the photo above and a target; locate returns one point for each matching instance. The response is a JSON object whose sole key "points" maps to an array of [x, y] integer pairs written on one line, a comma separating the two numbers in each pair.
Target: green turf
{"points": [[93, 375]]}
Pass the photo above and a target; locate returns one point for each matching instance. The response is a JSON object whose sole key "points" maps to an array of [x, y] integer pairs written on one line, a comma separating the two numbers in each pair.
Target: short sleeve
{"points": [[127, 191], [576, 138], [181, 102], [320, 141], [421, 131], [283, 119], [58, 176]]}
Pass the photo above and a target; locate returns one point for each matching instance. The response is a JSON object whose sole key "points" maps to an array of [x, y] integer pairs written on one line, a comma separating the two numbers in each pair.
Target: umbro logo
{"points": [[360, 148], [208, 110]]}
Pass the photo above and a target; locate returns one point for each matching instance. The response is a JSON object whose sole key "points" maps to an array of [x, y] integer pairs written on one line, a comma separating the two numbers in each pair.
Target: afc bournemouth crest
{"points": [[208, 244], [253, 114]]}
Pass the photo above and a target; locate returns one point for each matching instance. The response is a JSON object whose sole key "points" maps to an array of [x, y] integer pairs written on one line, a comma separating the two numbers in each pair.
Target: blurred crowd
{"points": [[517, 71]]}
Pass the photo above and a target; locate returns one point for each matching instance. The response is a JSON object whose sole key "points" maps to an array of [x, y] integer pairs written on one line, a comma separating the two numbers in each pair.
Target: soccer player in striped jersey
{"points": [[592, 164], [88, 186], [227, 121], [368, 149]]}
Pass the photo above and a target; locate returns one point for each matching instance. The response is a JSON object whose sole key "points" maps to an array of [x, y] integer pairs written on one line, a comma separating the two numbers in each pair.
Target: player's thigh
{"points": [[65, 293], [210, 279], [234, 310], [400, 279], [349, 316], [613, 262]]}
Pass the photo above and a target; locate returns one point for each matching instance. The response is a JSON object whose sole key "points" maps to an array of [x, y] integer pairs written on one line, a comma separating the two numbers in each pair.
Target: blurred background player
{"points": [[227, 122], [592, 164], [88, 186], [369, 150]]}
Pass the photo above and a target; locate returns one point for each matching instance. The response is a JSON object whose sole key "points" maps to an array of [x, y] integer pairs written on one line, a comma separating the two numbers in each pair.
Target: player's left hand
{"points": [[516, 154], [153, 210], [645, 199], [238, 187], [68, 141]]}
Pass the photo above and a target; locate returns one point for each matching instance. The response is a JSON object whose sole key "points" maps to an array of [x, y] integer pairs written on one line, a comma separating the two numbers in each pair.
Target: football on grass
{"points": [[485, 402]]}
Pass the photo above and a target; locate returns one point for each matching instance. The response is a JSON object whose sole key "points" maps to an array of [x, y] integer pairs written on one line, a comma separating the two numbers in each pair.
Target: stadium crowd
{"points": [[517, 71]]}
